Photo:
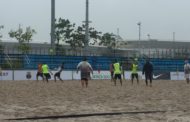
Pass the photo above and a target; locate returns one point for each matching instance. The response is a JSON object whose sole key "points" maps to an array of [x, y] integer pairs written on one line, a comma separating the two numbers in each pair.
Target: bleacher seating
{"points": [[97, 62]]}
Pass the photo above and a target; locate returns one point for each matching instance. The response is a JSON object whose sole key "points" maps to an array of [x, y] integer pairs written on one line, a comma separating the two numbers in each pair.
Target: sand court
{"points": [[30, 101]]}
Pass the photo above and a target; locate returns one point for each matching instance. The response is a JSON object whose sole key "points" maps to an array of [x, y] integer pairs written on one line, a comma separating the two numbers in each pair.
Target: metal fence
{"points": [[99, 57]]}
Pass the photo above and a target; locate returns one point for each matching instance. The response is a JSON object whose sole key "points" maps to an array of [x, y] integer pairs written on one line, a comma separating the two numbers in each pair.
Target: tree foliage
{"points": [[74, 36], [1, 27], [109, 40], [63, 30], [23, 37], [1, 46]]}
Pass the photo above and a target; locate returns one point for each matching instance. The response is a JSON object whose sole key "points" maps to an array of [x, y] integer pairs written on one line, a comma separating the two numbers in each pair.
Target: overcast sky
{"points": [[159, 18]]}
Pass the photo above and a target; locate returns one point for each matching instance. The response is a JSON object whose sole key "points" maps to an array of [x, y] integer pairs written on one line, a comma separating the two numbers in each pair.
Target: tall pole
{"points": [[139, 24], [115, 41], [174, 43], [52, 23], [174, 36], [87, 26], [148, 36], [117, 34]]}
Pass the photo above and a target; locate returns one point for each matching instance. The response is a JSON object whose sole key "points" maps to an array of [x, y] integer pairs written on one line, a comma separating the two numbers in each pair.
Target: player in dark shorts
{"points": [[148, 71], [46, 72], [134, 70], [57, 74], [39, 72], [117, 72], [85, 69], [111, 71]]}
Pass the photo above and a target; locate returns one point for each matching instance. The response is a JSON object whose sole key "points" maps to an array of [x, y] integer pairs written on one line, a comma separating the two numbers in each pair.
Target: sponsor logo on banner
{"points": [[28, 75], [101, 76], [177, 75], [4, 73], [156, 76], [161, 76]]}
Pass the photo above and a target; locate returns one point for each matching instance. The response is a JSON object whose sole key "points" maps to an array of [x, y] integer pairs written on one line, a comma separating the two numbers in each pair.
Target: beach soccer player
{"points": [[57, 74], [39, 72], [134, 70], [46, 72], [111, 72], [85, 69], [187, 70], [117, 72], [148, 71]]}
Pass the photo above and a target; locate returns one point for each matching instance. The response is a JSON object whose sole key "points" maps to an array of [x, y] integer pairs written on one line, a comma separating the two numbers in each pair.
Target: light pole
{"points": [[86, 27], [174, 43], [174, 36], [148, 36], [149, 42], [139, 24], [52, 24]]}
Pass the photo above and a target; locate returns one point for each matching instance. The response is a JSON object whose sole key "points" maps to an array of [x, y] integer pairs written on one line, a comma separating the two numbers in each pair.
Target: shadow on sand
{"points": [[85, 115]]}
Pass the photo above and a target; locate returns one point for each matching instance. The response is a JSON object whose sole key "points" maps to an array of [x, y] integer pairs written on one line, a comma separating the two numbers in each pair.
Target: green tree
{"points": [[63, 31], [94, 35], [108, 40], [1, 46], [23, 37], [74, 36], [77, 40]]}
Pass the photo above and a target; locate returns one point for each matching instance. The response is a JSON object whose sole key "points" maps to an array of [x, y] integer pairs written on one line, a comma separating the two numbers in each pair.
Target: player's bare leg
{"points": [[121, 82], [82, 83], [46, 80], [86, 83], [60, 79], [138, 80], [46, 77], [55, 78], [114, 82], [146, 82], [187, 80], [132, 81]]}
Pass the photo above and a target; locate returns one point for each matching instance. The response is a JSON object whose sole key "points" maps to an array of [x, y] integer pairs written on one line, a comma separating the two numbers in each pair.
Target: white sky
{"points": [[159, 18]]}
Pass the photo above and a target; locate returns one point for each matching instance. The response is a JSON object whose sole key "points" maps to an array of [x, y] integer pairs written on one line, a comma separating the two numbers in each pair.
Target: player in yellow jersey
{"points": [[46, 71], [134, 70], [117, 72]]}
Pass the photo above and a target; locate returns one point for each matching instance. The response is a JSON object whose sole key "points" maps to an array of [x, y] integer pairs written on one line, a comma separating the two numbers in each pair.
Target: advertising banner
{"points": [[177, 75], [101, 75], [97, 75], [6, 75], [31, 75], [156, 76], [127, 75], [161, 76], [25, 75]]}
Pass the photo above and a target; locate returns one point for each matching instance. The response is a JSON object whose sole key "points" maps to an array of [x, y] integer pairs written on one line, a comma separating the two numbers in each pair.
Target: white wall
{"points": [[177, 75], [72, 75], [6, 75]]}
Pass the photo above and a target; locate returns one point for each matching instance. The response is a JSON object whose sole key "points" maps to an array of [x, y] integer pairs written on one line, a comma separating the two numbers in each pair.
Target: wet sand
{"points": [[32, 101]]}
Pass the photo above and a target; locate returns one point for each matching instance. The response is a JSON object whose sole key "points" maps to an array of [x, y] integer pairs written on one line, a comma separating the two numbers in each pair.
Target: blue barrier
{"points": [[97, 62]]}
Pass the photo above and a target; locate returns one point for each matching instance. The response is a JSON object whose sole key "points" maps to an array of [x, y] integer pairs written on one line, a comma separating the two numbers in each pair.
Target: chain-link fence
{"points": [[99, 57]]}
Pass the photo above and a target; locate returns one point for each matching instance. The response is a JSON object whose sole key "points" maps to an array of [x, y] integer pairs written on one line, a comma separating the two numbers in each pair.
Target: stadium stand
{"points": [[30, 61]]}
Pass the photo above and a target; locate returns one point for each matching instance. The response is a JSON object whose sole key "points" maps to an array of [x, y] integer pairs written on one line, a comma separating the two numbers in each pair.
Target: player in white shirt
{"points": [[187, 70], [85, 69]]}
